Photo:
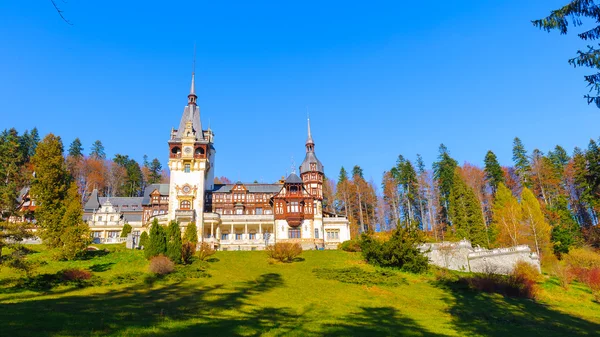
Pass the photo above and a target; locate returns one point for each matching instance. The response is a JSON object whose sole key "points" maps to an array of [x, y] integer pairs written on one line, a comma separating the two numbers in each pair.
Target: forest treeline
{"points": [[549, 201], [119, 176]]}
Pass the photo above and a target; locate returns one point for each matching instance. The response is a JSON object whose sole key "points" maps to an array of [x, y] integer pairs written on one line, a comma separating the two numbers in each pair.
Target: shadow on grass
{"points": [[477, 313], [186, 310], [90, 254], [213, 259], [377, 321], [100, 267]]}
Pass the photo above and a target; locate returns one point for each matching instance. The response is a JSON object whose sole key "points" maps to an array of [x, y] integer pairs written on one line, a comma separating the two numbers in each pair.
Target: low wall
{"points": [[462, 256]]}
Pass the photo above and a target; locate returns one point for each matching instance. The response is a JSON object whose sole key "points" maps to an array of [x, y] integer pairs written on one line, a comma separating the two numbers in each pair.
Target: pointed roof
{"points": [[293, 179], [309, 140], [191, 113]]}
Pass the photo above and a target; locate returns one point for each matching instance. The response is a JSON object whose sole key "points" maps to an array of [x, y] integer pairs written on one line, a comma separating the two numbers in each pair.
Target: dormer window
{"points": [[313, 166]]}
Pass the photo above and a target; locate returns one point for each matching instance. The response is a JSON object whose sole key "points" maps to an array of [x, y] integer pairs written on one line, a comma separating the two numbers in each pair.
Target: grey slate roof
{"points": [[163, 189], [252, 188], [125, 204], [22, 193], [93, 202], [311, 157], [293, 179], [190, 113]]}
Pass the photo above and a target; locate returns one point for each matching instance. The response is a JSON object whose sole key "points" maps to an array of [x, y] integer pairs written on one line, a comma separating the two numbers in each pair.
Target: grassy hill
{"points": [[242, 294]]}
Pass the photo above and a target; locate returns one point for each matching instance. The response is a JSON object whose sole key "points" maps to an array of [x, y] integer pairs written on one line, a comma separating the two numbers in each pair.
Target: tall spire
{"points": [[310, 144], [192, 95]]}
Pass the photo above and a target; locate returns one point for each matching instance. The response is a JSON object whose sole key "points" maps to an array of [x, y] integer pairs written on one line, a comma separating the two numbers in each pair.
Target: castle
{"points": [[228, 216]]}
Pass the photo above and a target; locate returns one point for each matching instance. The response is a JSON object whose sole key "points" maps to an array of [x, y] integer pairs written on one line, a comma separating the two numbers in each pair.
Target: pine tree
{"points": [[126, 230], [443, 172], [97, 150], [493, 171], [144, 240], [566, 233], [465, 213], [11, 160], [49, 189], [75, 235], [537, 230], [174, 242], [191, 233], [578, 13], [76, 149], [507, 217], [155, 171], [522, 165], [157, 243]]}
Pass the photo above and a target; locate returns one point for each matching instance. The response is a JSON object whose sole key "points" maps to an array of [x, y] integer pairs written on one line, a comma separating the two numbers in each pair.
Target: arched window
{"points": [[175, 150], [185, 204], [199, 151]]}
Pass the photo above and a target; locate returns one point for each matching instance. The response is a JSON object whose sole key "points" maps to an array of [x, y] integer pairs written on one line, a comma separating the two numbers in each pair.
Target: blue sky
{"points": [[379, 79]]}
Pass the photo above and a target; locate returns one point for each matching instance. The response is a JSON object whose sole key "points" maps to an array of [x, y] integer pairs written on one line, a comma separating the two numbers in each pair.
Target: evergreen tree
{"points": [[126, 230], [465, 213], [34, 137], [443, 172], [11, 160], [75, 235], [191, 233], [155, 171], [522, 165], [97, 150], [174, 243], [493, 171], [566, 232], [49, 189], [580, 189], [76, 149], [537, 229], [507, 217], [578, 13], [357, 171], [158, 241], [592, 191], [559, 158], [406, 177], [144, 240]]}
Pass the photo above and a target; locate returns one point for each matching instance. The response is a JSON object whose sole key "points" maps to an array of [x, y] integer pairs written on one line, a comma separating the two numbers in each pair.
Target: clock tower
{"points": [[191, 164]]}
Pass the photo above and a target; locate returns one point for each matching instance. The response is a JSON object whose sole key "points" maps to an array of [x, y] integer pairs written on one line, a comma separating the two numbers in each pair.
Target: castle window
{"points": [[279, 209], [294, 233], [199, 151], [224, 236], [259, 211], [333, 235], [252, 236], [99, 218], [185, 204], [219, 211], [187, 168], [239, 211], [313, 166], [293, 207], [293, 189], [238, 236], [316, 233]]}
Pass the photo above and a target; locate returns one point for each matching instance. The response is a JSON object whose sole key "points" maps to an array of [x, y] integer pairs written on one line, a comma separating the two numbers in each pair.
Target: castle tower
{"points": [[311, 170], [191, 162]]}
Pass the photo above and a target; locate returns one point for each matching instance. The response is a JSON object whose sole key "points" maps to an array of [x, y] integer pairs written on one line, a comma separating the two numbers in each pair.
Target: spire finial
{"points": [[192, 96], [309, 141]]}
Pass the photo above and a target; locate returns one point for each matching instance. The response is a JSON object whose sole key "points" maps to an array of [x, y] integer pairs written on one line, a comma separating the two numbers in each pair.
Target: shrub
{"points": [[350, 246], [191, 233], [564, 274], [126, 230], [144, 238], [157, 243], [161, 265], [76, 275], [400, 251], [205, 251], [356, 275], [525, 278], [187, 252], [284, 251], [174, 242], [583, 258], [592, 280]]}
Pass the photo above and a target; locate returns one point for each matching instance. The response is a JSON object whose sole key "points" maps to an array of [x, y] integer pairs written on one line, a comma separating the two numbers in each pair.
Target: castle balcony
{"points": [[184, 214]]}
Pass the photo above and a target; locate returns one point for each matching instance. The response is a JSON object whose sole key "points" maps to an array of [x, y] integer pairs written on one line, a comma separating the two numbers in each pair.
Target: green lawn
{"points": [[243, 295]]}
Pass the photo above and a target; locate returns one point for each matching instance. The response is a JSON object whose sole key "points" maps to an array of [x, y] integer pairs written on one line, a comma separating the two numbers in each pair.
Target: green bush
{"points": [[191, 233], [400, 251], [126, 230], [356, 275], [174, 242], [157, 243], [350, 246], [144, 239], [187, 252]]}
